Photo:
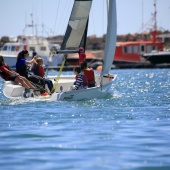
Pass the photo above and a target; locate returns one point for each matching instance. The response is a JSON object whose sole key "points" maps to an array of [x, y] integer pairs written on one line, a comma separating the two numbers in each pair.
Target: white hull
{"points": [[84, 94], [12, 90]]}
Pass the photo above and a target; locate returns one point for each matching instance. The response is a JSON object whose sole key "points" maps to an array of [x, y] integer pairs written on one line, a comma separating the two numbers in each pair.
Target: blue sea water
{"points": [[129, 130]]}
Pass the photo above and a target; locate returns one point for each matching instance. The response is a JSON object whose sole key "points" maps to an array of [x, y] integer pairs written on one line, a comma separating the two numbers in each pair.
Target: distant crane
{"points": [[153, 19], [149, 23]]}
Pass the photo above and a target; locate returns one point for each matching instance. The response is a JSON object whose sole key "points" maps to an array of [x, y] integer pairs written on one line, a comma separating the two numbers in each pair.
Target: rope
{"points": [[40, 87], [58, 76]]}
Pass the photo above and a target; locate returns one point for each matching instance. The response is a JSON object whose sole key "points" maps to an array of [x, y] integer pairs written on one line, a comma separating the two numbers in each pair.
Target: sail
{"points": [[110, 38], [76, 32]]}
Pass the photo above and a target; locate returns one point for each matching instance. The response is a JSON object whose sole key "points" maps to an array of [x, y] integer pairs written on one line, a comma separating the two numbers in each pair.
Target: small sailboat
{"points": [[74, 38]]}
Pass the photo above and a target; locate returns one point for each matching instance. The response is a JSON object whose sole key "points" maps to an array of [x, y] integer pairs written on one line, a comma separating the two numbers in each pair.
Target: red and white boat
{"points": [[132, 51]]}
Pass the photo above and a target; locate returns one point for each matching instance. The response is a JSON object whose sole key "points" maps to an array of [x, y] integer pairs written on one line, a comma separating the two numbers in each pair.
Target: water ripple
{"points": [[128, 129]]}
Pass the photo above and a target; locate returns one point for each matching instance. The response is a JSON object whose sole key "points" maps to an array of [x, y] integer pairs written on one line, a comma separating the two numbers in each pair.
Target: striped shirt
{"points": [[79, 82]]}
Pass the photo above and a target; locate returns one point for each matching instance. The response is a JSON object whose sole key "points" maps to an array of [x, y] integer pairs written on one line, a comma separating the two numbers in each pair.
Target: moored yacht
{"points": [[33, 44], [158, 57]]}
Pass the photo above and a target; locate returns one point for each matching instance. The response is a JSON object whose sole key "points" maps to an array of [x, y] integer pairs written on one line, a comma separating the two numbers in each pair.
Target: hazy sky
{"points": [[54, 15]]}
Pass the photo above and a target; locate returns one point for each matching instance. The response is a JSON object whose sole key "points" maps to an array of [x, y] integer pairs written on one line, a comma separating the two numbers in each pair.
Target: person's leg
{"points": [[28, 83], [25, 83], [49, 83], [39, 81]]}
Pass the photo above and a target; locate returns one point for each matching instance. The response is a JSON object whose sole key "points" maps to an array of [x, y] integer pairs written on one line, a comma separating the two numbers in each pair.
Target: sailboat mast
{"points": [[107, 4]]}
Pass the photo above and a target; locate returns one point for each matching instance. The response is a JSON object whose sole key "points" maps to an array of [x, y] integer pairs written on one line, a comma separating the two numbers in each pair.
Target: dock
{"points": [[117, 66], [114, 66]]}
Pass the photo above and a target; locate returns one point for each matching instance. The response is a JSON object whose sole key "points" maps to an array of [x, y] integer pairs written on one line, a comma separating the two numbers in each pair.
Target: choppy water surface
{"points": [[128, 130]]}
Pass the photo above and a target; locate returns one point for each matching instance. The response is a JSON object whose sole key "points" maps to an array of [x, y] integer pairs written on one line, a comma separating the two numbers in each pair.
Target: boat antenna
{"points": [[25, 25], [42, 5], [142, 16], [56, 17], [154, 32], [32, 23], [155, 16]]}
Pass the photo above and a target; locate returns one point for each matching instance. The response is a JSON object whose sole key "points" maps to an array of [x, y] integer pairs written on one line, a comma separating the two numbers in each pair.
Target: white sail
{"points": [[110, 38]]}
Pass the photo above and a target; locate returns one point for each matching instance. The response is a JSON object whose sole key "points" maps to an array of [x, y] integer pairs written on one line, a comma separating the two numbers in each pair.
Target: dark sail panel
{"points": [[75, 35]]}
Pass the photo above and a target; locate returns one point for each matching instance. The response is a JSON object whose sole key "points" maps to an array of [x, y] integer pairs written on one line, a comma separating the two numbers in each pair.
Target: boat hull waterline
{"points": [[14, 91], [158, 58]]}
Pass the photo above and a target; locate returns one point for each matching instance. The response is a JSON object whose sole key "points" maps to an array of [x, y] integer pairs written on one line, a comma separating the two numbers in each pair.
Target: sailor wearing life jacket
{"points": [[4, 68], [38, 70], [89, 73], [8, 75], [82, 55], [81, 80]]}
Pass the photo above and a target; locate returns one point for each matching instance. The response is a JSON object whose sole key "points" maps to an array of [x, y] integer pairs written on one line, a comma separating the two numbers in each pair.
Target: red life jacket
{"points": [[40, 71], [82, 57], [89, 73], [3, 74], [85, 81]]}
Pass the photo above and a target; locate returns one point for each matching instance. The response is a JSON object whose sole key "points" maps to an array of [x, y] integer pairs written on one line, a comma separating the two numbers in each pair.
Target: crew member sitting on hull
{"points": [[38, 70], [8, 75], [89, 73], [81, 80], [22, 69]]}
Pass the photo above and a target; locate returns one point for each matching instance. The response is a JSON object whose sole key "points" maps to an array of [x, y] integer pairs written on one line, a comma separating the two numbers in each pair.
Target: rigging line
{"points": [[46, 32], [103, 19], [56, 17], [36, 85], [59, 74], [92, 17], [42, 8], [63, 21]]}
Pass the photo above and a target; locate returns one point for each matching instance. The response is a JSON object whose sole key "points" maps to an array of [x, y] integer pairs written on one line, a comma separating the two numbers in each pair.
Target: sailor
{"points": [[81, 80], [22, 69], [82, 55], [21, 64], [8, 75], [89, 73], [38, 70]]}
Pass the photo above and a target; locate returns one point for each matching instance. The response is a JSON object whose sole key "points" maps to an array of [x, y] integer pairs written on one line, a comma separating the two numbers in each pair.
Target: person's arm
{"points": [[78, 82], [10, 72], [32, 60]]}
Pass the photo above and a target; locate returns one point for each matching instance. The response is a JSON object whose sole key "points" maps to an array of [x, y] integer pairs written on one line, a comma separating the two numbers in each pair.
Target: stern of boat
{"points": [[11, 89]]}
